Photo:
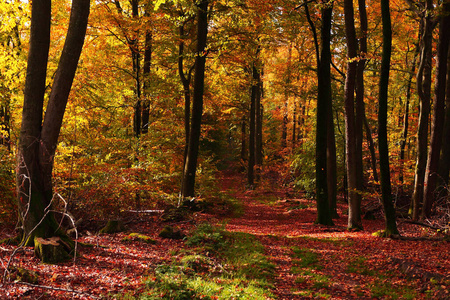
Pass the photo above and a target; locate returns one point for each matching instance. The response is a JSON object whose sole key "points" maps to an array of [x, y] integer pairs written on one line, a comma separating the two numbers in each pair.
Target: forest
{"points": [[224, 149]]}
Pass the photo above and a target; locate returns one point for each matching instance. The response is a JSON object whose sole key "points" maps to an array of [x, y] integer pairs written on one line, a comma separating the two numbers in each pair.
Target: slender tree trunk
{"points": [[373, 157], [423, 83], [354, 214], [404, 134], [252, 134], [197, 101], [38, 140], [386, 192], [186, 82], [136, 58], [359, 97], [431, 173], [258, 128], [146, 75]]}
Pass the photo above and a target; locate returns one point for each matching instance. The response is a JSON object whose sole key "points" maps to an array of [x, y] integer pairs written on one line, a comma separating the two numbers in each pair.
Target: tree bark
{"points": [[404, 134], [386, 192], [188, 186], [146, 75], [445, 154], [354, 197], [359, 97], [437, 126], [423, 83], [38, 141], [324, 214]]}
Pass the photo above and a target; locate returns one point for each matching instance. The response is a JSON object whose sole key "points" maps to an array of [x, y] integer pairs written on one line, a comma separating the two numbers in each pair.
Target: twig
{"points": [[54, 288]]}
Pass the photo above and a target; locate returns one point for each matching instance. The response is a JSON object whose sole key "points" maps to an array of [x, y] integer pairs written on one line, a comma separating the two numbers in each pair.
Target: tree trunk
{"points": [[186, 82], [423, 82], [38, 141], [324, 215], [359, 97], [445, 154], [251, 138], [373, 157], [188, 186], [133, 43], [354, 213], [258, 125], [431, 174], [146, 75], [386, 193], [404, 134]]}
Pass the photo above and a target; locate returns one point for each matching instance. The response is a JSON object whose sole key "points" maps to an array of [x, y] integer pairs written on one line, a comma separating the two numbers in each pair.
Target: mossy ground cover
{"points": [[217, 265]]}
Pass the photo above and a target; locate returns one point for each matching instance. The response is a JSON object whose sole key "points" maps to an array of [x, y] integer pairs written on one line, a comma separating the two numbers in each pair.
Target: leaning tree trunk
{"points": [[386, 192], [437, 127], [38, 141], [188, 185], [354, 212]]}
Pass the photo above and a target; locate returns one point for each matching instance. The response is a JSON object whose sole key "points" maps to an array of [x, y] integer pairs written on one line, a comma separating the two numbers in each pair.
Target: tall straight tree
{"points": [[188, 184], [38, 138], [324, 215], [437, 128], [359, 96], [354, 197], [385, 178], [423, 84]]}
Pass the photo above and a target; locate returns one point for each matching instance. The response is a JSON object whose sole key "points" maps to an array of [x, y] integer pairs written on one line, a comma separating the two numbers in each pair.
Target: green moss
{"points": [[138, 237]]}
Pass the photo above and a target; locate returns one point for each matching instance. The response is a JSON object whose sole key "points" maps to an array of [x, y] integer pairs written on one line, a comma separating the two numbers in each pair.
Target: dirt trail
{"points": [[352, 265]]}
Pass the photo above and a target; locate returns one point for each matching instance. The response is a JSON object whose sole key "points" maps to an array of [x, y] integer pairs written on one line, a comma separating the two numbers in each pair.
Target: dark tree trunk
{"points": [[258, 124], [324, 214], [188, 186], [431, 174], [133, 43], [38, 141], [445, 154], [5, 126], [404, 134], [146, 75], [354, 213], [252, 133], [423, 83], [386, 193], [359, 97], [186, 82]]}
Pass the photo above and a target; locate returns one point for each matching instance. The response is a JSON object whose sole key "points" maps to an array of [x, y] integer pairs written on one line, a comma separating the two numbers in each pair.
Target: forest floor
{"points": [[310, 261]]}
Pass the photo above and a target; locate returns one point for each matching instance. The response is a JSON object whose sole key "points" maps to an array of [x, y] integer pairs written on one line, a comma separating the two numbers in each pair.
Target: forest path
{"points": [[329, 262]]}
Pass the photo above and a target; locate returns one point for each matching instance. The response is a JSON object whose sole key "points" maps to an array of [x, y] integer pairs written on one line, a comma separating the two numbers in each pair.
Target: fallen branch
{"points": [[54, 288]]}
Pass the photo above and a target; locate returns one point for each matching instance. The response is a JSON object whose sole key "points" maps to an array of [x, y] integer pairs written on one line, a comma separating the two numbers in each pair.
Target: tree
{"points": [[188, 185], [354, 197], [385, 179], [423, 84], [324, 215], [38, 138], [437, 127]]}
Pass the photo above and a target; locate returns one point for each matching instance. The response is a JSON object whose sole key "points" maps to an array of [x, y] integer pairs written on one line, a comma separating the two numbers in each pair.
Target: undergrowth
{"points": [[217, 265]]}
